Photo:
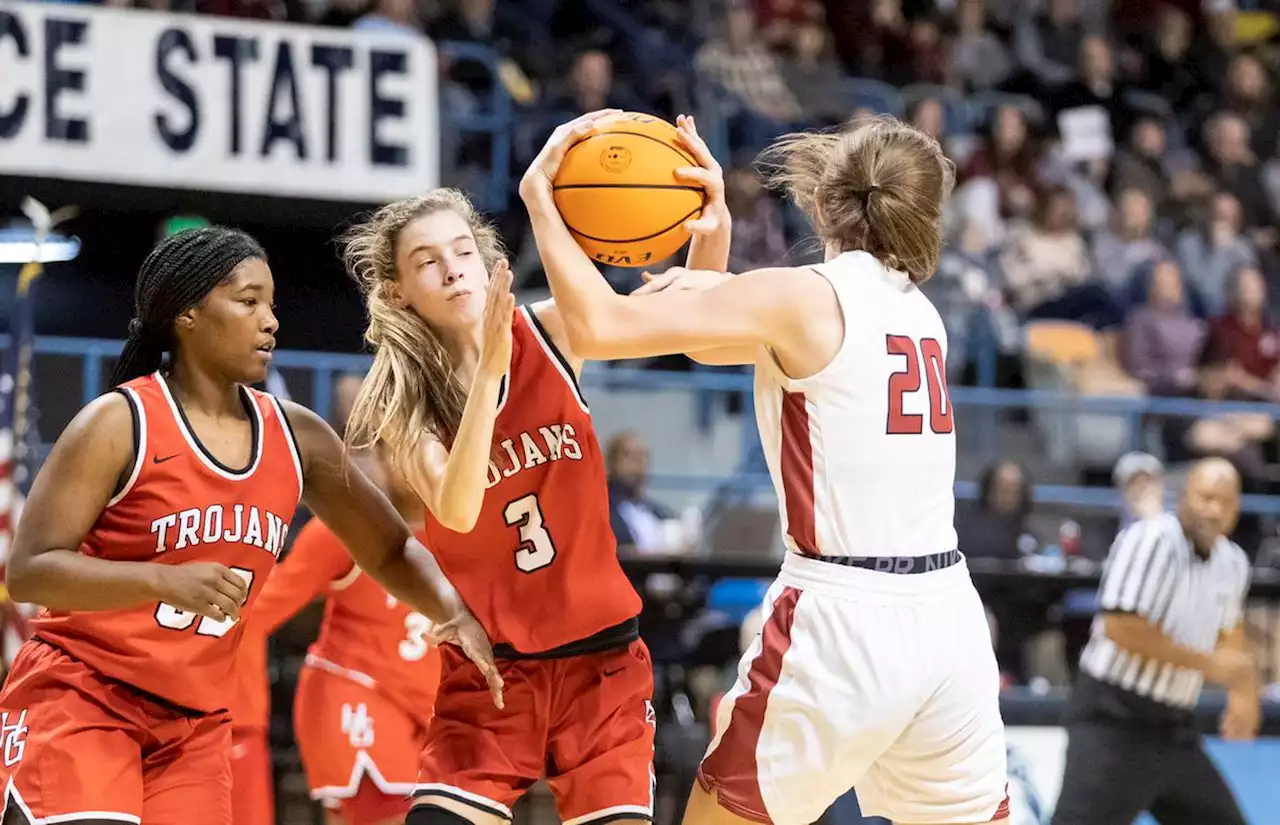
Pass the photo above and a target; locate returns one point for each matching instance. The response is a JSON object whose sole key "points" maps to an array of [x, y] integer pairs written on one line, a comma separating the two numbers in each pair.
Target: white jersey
{"points": [[863, 453]]}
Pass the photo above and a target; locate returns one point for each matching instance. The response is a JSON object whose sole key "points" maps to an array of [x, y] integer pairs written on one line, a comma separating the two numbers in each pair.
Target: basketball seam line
{"points": [[675, 149], [646, 237], [627, 186]]}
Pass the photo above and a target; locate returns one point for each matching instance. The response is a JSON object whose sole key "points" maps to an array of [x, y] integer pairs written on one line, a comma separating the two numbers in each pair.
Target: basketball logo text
{"points": [[529, 450], [357, 724], [14, 732], [215, 523]]}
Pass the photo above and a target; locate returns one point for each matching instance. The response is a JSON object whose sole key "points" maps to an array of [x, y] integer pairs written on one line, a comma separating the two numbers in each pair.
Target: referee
{"points": [[1171, 606]]}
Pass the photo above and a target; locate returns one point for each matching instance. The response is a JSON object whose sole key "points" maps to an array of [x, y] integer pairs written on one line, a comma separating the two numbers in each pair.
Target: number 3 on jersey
{"points": [[536, 549], [907, 380]]}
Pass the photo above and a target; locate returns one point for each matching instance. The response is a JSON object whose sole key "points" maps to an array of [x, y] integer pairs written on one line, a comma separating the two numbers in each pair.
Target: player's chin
{"points": [[254, 368]]}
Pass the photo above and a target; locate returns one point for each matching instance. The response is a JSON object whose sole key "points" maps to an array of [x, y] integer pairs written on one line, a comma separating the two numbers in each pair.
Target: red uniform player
{"points": [[150, 528], [480, 406], [367, 689]]}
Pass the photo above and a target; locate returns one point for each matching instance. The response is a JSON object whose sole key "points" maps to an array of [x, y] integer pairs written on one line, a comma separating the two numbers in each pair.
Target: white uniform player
{"points": [[874, 668]]}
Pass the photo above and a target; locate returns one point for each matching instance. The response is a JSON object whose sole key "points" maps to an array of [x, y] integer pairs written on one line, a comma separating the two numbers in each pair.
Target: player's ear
{"points": [[394, 295], [187, 319]]}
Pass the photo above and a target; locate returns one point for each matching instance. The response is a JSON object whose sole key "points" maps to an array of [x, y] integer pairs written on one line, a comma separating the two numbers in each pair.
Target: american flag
{"points": [[17, 442]]}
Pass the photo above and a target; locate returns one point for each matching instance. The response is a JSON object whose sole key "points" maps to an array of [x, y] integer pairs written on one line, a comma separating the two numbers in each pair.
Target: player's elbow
{"points": [[458, 518], [21, 580], [597, 334], [1126, 629]]}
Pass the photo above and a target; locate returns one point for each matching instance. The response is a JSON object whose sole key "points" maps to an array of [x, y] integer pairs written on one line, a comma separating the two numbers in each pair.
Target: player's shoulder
{"points": [[1234, 556], [110, 413]]}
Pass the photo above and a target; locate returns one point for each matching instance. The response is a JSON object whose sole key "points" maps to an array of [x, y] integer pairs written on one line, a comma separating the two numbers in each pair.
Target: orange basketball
{"points": [[618, 193]]}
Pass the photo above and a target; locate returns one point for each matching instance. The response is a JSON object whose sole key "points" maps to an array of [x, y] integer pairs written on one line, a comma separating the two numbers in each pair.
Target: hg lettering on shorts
{"points": [[14, 734], [357, 724]]}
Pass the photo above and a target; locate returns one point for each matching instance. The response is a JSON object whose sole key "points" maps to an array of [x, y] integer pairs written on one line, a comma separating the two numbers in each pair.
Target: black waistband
{"points": [[611, 638], [899, 565]]}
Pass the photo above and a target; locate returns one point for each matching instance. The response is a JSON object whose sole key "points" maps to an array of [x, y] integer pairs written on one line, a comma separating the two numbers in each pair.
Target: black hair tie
{"points": [[135, 328]]}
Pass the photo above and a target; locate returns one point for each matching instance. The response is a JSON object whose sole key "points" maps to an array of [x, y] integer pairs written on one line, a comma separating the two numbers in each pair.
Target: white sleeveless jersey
{"points": [[863, 453]]}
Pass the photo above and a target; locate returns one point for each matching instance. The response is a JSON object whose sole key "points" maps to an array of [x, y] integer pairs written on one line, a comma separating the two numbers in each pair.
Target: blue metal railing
{"points": [[95, 353]]}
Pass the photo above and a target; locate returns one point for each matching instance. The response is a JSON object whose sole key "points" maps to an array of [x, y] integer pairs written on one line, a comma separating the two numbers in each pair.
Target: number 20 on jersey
{"points": [[906, 381]]}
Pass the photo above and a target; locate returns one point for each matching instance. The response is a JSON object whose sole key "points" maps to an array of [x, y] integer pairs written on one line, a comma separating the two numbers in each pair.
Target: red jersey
{"points": [[366, 636], [1255, 349], [540, 569], [179, 505]]}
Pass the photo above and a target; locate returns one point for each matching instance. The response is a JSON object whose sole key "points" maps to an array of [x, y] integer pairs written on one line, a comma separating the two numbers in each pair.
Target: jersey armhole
{"points": [[294, 451], [138, 416], [560, 362]]}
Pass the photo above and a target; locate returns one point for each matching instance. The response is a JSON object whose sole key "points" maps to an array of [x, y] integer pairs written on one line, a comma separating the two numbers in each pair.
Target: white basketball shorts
{"points": [[882, 682]]}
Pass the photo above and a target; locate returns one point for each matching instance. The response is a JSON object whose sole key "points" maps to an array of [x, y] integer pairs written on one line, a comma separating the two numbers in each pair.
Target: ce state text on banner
{"points": [[212, 104]]}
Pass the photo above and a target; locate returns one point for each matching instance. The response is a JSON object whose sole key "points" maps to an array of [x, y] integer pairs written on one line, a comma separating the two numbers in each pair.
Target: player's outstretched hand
{"points": [[538, 177], [466, 633], [499, 305], [202, 587], [708, 175], [680, 278]]}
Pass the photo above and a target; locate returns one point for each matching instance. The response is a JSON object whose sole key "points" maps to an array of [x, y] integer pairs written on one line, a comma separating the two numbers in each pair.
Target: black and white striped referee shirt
{"points": [[1154, 571]]}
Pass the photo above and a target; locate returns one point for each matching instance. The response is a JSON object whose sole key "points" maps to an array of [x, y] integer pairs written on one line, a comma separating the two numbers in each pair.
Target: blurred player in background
{"points": [[150, 530], [481, 407], [874, 668], [366, 691]]}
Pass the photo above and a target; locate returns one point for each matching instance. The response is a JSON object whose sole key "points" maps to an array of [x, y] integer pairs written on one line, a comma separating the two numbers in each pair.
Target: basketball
{"points": [[618, 193]]}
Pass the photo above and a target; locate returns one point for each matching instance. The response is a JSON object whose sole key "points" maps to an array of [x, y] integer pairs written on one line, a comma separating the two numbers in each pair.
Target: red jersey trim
{"points": [[193, 442], [139, 414], [557, 358]]}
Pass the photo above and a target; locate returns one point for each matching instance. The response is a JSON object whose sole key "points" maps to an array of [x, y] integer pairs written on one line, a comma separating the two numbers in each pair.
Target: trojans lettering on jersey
{"points": [[180, 504], [540, 569]]}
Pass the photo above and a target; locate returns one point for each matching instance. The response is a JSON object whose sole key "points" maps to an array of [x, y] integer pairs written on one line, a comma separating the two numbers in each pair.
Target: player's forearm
{"points": [[1140, 636], [712, 251], [460, 493], [582, 295], [414, 577], [70, 580]]}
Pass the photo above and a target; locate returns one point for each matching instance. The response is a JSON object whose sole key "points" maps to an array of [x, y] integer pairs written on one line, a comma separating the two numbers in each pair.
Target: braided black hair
{"points": [[180, 271]]}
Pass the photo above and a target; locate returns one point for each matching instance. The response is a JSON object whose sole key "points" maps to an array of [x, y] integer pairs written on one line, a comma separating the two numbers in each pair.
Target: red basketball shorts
{"points": [[77, 745], [254, 800], [351, 737], [586, 723]]}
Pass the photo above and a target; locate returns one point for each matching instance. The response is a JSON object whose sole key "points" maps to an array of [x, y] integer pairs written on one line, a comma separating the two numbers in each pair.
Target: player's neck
{"points": [[464, 347], [199, 392]]}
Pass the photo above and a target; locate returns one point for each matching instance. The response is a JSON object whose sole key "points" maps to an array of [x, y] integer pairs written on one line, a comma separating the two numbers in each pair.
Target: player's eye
{"points": [[250, 302]]}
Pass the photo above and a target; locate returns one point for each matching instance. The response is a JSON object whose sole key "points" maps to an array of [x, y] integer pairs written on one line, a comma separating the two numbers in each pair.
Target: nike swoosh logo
{"points": [[614, 672], [158, 460]]}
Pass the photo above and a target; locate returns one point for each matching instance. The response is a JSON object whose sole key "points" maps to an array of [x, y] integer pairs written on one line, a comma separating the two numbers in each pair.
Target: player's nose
{"points": [[270, 323]]}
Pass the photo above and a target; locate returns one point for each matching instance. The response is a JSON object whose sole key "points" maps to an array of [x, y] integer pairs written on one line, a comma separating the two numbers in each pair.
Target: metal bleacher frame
{"points": [[97, 353]]}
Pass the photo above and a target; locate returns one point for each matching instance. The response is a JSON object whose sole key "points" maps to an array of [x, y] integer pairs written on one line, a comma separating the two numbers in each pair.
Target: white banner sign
{"points": [[212, 104]]}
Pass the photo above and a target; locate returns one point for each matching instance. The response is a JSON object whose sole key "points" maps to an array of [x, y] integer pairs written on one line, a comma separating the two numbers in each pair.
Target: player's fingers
{"points": [[233, 588], [701, 226], [653, 283], [696, 174], [221, 607]]}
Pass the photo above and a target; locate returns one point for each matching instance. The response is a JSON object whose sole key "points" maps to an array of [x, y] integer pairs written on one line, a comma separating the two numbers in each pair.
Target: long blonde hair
{"points": [[413, 386], [876, 185]]}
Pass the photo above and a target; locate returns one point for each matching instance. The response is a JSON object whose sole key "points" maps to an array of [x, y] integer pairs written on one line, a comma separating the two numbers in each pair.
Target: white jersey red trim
{"points": [[863, 453]]}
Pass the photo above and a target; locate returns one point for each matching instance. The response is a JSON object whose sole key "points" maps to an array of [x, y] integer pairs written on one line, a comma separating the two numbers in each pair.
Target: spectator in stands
{"points": [[996, 525], [523, 48], [391, 17], [1248, 95], [743, 66], [1140, 479], [1165, 66], [759, 236], [813, 74], [1141, 164], [1129, 242], [1214, 248], [1047, 41], [979, 61], [1231, 164], [1248, 339], [1096, 85], [640, 524], [779, 20], [591, 87], [1047, 273], [1238, 437], [1006, 158], [1162, 341], [928, 115]]}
